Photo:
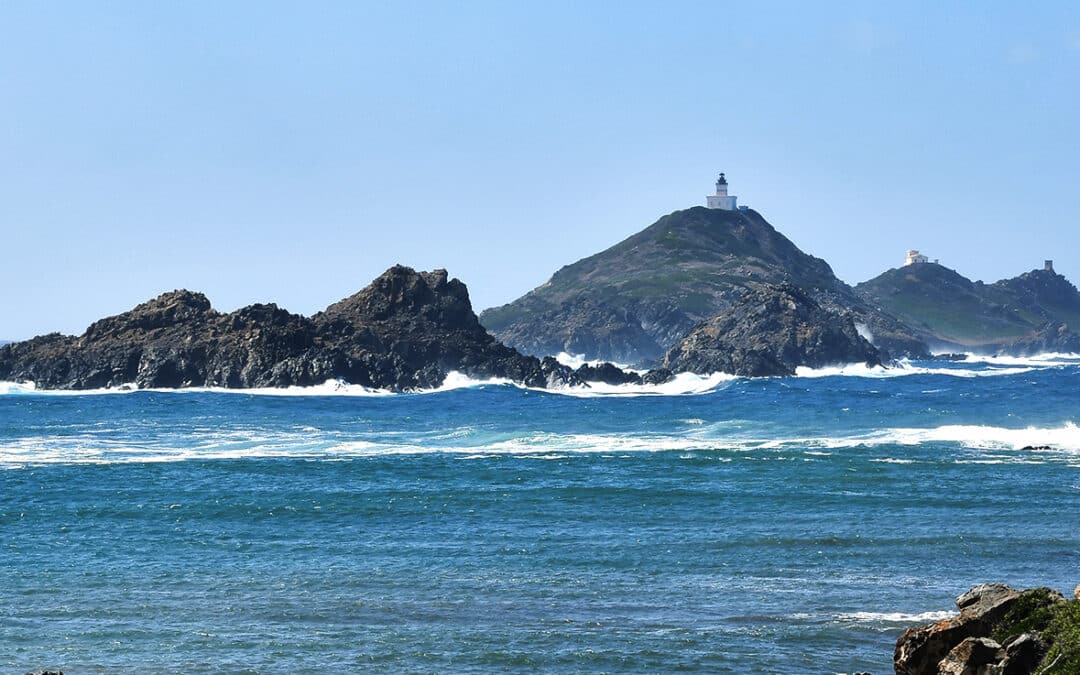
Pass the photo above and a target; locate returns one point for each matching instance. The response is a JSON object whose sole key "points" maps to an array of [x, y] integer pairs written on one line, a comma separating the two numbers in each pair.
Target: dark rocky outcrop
{"points": [[771, 331], [406, 330], [607, 373], [1027, 314], [637, 299], [1050, 338], [1000, 631]]}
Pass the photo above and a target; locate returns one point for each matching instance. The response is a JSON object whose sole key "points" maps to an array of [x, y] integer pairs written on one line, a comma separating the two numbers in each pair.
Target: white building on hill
{"points": [[721, 200], [915, 258]]}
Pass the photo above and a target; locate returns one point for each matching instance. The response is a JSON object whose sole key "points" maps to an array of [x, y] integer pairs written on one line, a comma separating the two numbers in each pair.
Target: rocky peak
{"points": [[402, 292], [635, 300], [772, 330], [167, 309]]}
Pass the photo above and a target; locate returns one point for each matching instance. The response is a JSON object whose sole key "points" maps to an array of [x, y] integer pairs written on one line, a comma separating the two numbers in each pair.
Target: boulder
{"points": [[986, 602], [657, 376], [771, 331], [606, 373], [973, 656], [919, 650]]}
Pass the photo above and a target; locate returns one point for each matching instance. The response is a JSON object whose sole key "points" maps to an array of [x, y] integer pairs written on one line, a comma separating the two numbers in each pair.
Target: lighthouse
{"points": [[721, 200]]}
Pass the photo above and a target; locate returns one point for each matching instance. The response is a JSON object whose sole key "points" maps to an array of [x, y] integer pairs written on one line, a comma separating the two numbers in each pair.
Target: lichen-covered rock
{"points": [[771, 331], [973, 656], [1038, 628], [919, 650], [986, 602]]}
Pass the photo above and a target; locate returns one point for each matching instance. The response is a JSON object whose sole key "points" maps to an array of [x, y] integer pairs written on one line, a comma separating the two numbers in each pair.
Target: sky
{"points": [[291, 152]]}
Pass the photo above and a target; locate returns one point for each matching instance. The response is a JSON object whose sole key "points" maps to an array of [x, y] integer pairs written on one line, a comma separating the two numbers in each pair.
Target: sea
{"points": [[712, 524]]}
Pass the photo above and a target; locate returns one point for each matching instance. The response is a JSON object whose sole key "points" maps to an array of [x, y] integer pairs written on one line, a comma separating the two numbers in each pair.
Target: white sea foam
{"points": [[897, 617], [904, 368], [681, 384], [1044, 360], [576, 361], [1063, 438], [991, 445]]}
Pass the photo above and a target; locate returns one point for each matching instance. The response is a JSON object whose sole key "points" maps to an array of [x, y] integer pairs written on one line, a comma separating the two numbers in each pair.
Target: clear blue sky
{"points": [[291, 152]]}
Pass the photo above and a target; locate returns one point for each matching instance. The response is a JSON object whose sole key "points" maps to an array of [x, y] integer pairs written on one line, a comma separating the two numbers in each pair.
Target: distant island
{"points": [[702, 290], [1027, 314]]}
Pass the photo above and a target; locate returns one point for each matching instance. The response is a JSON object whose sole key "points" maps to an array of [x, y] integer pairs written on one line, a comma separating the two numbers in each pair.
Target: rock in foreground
{"points": [[771, 331], [1000, 631]]}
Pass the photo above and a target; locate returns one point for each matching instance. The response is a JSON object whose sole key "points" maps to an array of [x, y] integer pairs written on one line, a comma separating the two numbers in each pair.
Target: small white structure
{"points": [[721, 200], [915, 258]]}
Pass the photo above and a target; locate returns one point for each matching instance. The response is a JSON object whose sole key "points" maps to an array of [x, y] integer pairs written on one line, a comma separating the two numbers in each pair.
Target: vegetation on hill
{"points": [[945, 307]]}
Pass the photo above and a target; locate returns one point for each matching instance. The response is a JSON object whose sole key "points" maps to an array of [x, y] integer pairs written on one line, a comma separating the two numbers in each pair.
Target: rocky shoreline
{"points": [[999, 631], [406, 331]]}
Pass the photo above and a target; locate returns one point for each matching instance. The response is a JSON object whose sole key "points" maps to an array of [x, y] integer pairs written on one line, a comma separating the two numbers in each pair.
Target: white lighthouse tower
{"points": [[721, 200]]}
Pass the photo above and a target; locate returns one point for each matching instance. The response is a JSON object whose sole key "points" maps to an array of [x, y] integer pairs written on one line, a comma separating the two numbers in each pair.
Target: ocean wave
{"points": [[998, 445], [896, 617], [576, 361], [681, 384], [905, 368]]}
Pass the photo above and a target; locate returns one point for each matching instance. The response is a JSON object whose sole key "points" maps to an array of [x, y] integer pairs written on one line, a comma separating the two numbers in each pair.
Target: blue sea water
{"points": [[792, 525]]}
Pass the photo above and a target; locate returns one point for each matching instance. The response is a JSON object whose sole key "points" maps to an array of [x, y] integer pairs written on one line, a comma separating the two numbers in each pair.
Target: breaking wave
{"points": [[896, 617], [106, 446]]}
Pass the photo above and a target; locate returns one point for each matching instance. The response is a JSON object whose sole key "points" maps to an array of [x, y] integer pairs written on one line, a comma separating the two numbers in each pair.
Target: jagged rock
{"points": [[919, 650], [606, 373], [1052, 337], [966, 644], [771, 331], [558, 374], [973, 656], [406, 330], [986, 602], [657, 376]]}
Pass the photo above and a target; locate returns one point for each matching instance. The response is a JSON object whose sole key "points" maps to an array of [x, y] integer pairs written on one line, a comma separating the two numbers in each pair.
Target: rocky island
{"points": [[702, 290], [635, 301], [405, 331], [1024, 315]]}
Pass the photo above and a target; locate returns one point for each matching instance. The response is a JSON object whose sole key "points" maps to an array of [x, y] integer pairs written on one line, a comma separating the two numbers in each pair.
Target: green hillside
{"points": [[946, 307]]}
